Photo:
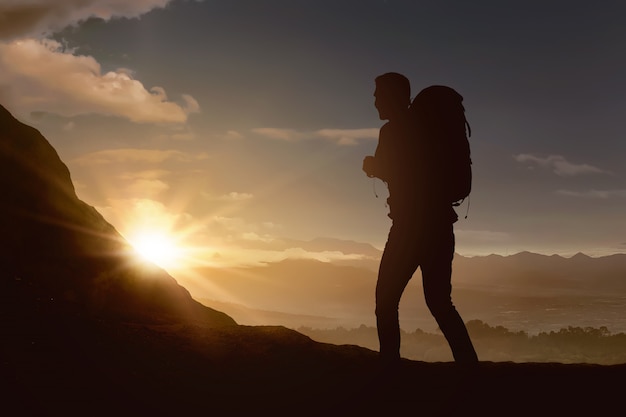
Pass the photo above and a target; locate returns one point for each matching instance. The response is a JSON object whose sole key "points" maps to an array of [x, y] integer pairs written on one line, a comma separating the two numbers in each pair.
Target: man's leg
{"points": [[396, 269], [436, 276]]}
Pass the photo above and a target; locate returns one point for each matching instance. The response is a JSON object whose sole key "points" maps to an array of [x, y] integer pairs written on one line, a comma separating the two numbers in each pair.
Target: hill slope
{"points": [[58, 250]]}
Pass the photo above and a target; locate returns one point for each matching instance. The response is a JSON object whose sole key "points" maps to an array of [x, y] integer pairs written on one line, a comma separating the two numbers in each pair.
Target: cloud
{"points": [[232, 135], [235, 196], [143, 187], [128, 215], [237, 231], [42, 75], [348, 136], [236, 256], [299, 253], [39, 74], [191, 104], [178, 133], [36, 18], [559, 165], [146, 184], [235, 225], [151, 174], [255, 237], [232, 196], [342, 137], [153, 156], [288, 135], [594, 194]]}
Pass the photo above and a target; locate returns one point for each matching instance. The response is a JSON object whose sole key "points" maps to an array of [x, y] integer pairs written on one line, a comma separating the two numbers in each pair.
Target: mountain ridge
{"points": [[336, 290]]}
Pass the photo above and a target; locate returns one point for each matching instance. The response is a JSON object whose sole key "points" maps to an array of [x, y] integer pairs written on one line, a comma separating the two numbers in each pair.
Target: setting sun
{"points": [[158, 248]]}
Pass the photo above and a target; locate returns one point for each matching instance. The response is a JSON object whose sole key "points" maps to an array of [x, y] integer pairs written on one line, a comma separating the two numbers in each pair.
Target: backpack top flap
{"points": [[442, 106]]}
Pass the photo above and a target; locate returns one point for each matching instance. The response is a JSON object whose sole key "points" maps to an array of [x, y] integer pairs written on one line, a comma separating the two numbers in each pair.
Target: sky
{"points": [[237, 128]]}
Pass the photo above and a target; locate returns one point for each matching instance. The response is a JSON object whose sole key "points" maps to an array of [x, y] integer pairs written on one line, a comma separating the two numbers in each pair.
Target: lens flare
{"points": [[158, 248]]}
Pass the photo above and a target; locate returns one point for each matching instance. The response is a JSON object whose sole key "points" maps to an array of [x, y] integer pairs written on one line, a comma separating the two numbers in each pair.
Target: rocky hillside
{"points": [[58, 252]]}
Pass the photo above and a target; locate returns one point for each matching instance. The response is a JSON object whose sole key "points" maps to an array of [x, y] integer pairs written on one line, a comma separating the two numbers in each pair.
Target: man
{"points": [[422, 233]]}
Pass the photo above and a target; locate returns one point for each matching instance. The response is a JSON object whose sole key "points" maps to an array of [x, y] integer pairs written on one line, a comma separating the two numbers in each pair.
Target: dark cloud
{"points": [[43, 17]]}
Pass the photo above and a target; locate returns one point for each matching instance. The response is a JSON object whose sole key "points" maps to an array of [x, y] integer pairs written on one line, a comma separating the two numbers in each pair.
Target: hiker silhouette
{"points": [[417, 160]]}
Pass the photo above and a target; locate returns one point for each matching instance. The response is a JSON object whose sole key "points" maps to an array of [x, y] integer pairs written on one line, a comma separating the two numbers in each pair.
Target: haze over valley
{"points": [[525, 291]]}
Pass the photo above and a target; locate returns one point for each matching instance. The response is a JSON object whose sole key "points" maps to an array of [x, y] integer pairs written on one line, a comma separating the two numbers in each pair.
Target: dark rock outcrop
{"points": [[60, 253]]}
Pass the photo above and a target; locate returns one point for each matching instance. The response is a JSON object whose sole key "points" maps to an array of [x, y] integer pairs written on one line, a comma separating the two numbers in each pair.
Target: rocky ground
{"points": [[74, 366]]}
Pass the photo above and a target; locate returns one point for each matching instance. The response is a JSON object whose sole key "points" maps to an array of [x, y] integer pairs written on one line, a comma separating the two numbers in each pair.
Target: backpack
{"points": [[439, 114]]}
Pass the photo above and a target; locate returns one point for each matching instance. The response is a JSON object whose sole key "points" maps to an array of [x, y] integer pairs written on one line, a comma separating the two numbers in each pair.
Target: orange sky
{"points": [[239, 130]]}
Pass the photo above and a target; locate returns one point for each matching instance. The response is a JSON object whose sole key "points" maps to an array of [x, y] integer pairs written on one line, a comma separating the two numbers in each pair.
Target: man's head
{"points": [[392, 95]]}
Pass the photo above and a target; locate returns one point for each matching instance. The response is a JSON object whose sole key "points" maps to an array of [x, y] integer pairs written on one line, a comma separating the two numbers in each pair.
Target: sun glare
{"points": [[158, 248]]}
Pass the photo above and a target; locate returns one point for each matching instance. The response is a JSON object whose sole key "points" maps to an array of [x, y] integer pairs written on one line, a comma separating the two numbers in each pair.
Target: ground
{"points": [[79, 366]]}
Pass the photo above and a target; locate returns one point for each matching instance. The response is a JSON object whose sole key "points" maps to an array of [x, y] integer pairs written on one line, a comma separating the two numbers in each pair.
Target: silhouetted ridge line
{"points": [[59, 249]]}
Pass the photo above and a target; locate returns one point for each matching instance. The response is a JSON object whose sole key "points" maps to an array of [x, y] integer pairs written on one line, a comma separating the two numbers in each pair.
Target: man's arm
{"points": [[374, 166]]}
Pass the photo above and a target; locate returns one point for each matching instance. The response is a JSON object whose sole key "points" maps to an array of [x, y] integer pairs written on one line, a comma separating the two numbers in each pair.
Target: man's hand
{"points": [[369, 166]]}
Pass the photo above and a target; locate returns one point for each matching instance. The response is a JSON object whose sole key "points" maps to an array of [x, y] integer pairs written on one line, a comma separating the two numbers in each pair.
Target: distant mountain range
{"points": [[482, 285], [530, 272]]}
